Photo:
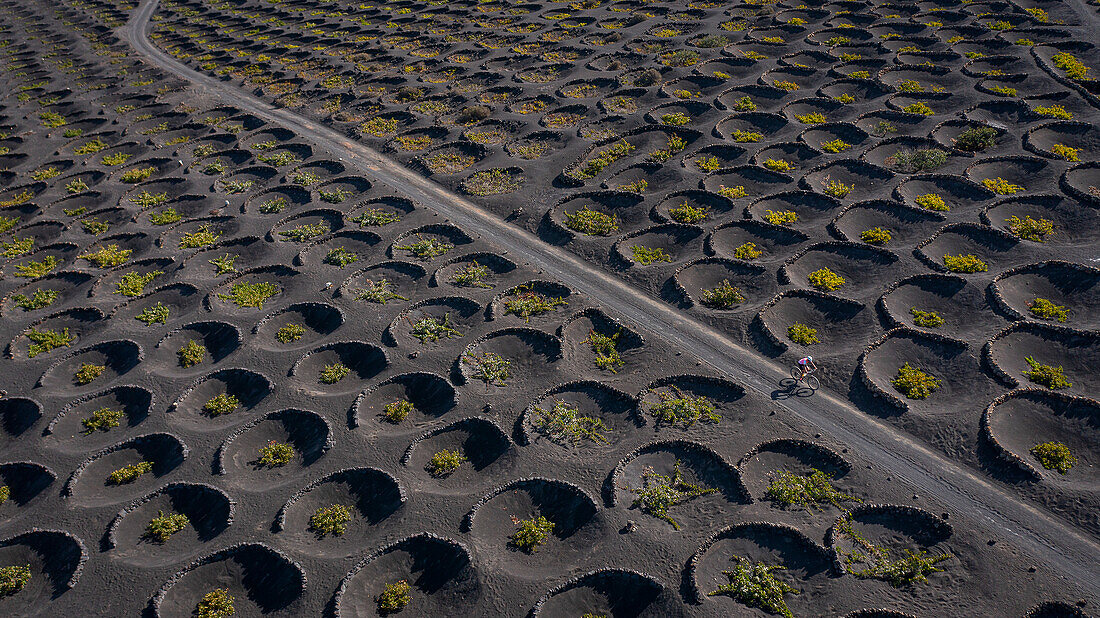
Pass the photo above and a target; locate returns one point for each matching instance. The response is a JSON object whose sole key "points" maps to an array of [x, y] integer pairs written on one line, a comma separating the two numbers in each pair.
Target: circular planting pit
{"points": [[481, 445], [610, 592], [253, 290], [178, 352], [25, 481], [1082, 182], [812, 209], [431, 397], [895, 529], [259, 579], [1074, 223], [439, 572], [806, 565], [220, 399], [69, 286], [959, 304], [17, 415], [621, 205], [100, 480], [861, 180], [338, 367], [455, 312], [402, 277], [674, 239], [1022, 420], [307, 226], [994, 248], [496, 517], [755, 181], [528, 352], [579, 327], [427, 242], [497, 266], [80, 426], [542, 422], [1029, 173], [307, 322], [950, 362], [773, 241], [336, 254], [108, 361], [140, 314], [1071, 286], [77, 322], [863, 268], [248, 458], [907, 226], [1084, 137], [279, 201], [714, 206], [700, 278], [370, 497], [837, 321], [209, 512], [1075, 352], [55, 558], [708, 487], [957, 193]]}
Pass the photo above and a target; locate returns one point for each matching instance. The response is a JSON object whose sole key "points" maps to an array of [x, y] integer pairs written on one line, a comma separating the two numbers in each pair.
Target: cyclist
{"points": [[807, 365]]}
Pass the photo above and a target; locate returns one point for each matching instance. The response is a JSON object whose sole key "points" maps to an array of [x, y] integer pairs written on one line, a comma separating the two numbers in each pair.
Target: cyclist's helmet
{"points": [[809, 359]]}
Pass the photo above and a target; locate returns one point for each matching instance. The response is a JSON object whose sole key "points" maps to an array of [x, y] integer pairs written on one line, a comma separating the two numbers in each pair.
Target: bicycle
{"points": [[810, 381]]}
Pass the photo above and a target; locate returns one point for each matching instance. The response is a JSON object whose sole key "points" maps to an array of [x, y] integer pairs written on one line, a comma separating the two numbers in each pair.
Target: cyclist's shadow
{"points": [[789, 387]]}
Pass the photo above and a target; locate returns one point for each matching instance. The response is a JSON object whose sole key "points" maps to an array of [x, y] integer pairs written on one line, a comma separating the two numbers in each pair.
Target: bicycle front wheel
{"points": [[812, 382]]}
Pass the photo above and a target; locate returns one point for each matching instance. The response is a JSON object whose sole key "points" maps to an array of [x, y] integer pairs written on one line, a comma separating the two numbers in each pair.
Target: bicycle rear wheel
{"points": [[796, 373]]}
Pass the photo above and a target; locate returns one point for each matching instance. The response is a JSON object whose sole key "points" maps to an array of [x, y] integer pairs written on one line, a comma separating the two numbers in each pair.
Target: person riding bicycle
{"points": [[807, 366]]}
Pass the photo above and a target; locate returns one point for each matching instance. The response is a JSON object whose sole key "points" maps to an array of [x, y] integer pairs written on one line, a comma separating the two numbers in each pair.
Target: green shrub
{"points": [[332, 519], [17, 247], [919, 108], [250, 294], [52, 120], [926, 319], [129, 474], [778, 165], [165, 217], [968, 263], [921, 160], [811, 118], [275, 454], [376, 217], [108, 257], [1000, 186], [648, 255], [747, 251], [837, 189], [5, 493], [95, 227], [445, 462], [341, 257], [162, 527], [306, 232], [835, 146], [13, 579], [215, 604], [1046, 375], [564, 423], [429, 330], [191, 353], [201, 237], [38, 300], [1045, 309], [659, 493], [876, 236], [491, 182], [825, 279], [606, 349], [802, 334], [1070, 65], [708, 164], [1054, 456], [677, 408], [222, 403], [394, 597], [489, 367], [91, 147], [1053, 111], [932, 201], [331, 374], [789, 489], [976, 139], [753, 584], [531, 534], [87, 373], [137, 175], [914, 383], [273, 205], [525, 302], [723, 296], [1066, 153], [472, 276], [746, 136], [426, 248], [601, 159], [688, 214], [912, 568], [133, 284], [335, 196], [591, 222], [103, 419], [147, 200], [782, 217], [157, 314], [290, 333], [43, 341], [379, 292], [77, 185], [1030, 229], [397, 411]]}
